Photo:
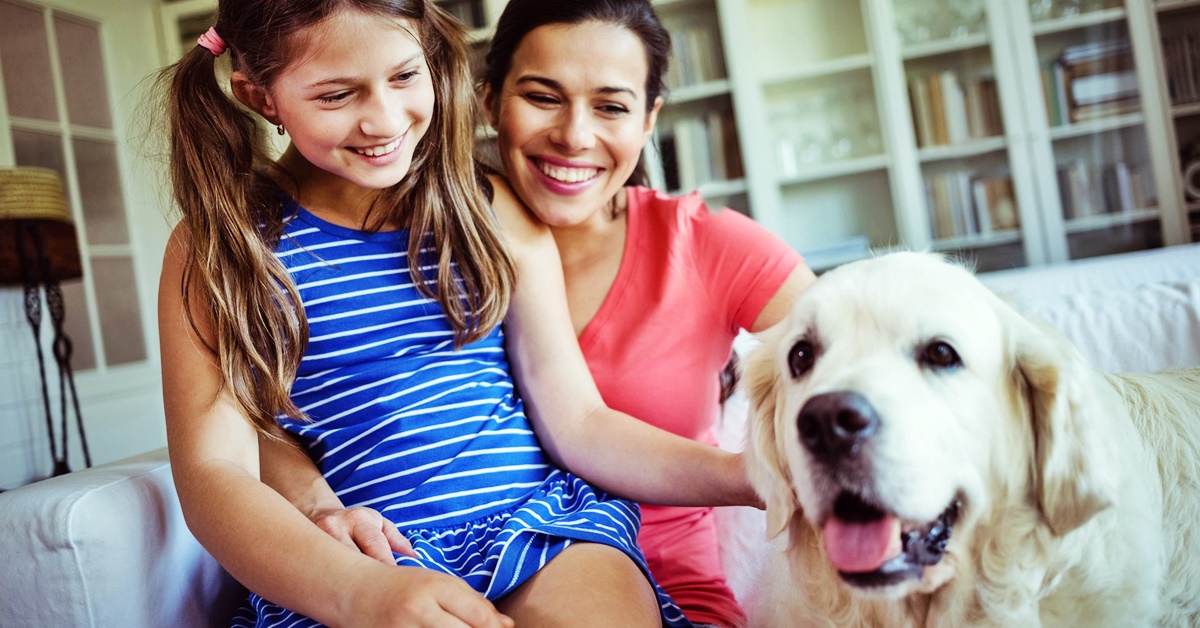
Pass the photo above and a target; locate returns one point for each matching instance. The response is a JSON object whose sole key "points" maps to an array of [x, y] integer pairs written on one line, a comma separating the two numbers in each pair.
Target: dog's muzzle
{"points": [[868, 545], [920, 547]]}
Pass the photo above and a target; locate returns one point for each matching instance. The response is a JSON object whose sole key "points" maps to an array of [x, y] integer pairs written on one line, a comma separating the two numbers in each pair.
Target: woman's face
{"points": [[571, 118]]}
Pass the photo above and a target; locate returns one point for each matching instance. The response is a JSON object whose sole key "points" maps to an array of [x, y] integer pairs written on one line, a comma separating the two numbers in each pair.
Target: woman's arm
{"points": [[612, 450], [261, 539]]}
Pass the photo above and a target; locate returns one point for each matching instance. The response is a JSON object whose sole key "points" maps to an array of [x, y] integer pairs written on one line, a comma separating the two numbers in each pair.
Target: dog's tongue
{"points": [[861, 547]]}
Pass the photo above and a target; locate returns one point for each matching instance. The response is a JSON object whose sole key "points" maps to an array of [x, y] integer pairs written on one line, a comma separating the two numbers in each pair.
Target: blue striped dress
{"points": [[435, 439]]}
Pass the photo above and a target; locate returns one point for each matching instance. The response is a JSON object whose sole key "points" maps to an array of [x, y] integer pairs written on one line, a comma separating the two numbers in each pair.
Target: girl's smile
{"points": [[355, 113], [380, 151]]}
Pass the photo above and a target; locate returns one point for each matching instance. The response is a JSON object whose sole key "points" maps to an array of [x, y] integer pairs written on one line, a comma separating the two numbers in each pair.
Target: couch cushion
{"points": [[1135, 312], [107, 547], [1149, 328]]}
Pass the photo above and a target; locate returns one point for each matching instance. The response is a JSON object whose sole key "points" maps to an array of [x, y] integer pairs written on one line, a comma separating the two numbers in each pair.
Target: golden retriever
{"points": [[938, 459]]}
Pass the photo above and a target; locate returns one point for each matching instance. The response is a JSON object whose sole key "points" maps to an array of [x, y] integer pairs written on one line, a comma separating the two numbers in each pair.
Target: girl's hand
{"points": [[411, 597], [365, 530]]}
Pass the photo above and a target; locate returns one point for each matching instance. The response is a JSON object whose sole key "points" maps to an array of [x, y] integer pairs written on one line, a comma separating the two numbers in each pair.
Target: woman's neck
{"points": [[582, 243]]}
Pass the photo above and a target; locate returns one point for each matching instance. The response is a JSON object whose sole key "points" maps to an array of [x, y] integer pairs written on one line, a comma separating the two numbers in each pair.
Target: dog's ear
{"points": [[1074, 474], [768, 467]]}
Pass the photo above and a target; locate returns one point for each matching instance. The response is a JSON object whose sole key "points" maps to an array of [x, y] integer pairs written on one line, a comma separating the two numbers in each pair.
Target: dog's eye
{"points": [[939, 354], [801, 358]]}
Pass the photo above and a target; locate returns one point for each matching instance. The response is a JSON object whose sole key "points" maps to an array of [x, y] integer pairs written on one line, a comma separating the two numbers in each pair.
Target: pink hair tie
{"points": [[212, 41]]}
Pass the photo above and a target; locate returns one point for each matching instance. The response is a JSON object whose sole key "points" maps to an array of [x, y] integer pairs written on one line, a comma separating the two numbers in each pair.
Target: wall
{"points": [[121, 409], [121, 406]]}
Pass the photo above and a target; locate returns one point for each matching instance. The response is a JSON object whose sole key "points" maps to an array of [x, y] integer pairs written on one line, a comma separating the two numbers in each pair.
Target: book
{"points": [[1083, 113], [995, 207], [1106, 87], [733, 151], [1094, 50], [1049, 91], [918, 90], [983, 108], [692, 153], [954, 108], [937, 108], [1120, 62], [1063, 104], [964, 203], [717, 144], [1118, 188], [1002, 204], [979, 198], [941, 219]]}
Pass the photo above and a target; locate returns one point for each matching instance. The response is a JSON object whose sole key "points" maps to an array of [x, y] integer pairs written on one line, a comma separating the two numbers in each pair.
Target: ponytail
{"points": [[231, 215]]}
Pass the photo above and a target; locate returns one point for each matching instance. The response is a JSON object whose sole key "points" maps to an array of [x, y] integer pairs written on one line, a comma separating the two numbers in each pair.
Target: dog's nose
{"points": [[834, 424]]}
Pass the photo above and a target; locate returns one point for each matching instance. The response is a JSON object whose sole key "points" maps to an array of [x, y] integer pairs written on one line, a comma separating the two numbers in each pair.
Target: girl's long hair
{"points": [[233, 213]]}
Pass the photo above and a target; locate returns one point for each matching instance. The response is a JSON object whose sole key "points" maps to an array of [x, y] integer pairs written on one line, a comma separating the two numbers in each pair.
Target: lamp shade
{"points": [[33, 211]]}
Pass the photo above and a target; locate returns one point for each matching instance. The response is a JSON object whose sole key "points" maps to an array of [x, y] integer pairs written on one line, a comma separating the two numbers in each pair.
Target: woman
{"points": [[657, 286]]}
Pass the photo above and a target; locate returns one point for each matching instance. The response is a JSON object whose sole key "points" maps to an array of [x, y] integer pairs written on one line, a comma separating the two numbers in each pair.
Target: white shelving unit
{"points": [[817, 195]]}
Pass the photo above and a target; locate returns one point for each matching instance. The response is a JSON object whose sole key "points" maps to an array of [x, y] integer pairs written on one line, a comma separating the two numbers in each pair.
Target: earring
{"points": [[279, 129]]}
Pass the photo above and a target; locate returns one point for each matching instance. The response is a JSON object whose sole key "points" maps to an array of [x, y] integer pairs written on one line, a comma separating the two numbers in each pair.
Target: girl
{"points": [[349, 295], [657, 286]]}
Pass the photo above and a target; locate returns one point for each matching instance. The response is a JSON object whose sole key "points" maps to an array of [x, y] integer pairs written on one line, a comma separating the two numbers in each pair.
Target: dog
{"points": [[939, 459]]}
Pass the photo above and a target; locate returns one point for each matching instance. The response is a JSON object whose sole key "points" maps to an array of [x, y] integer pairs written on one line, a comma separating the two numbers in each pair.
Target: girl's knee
{"points": [[588, 584]]}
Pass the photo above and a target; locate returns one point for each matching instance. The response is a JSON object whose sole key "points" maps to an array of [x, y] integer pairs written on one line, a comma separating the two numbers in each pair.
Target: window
{"points": [[55, 113]]}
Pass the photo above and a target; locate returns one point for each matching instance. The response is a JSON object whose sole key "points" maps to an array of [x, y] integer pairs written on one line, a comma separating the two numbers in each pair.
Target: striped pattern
{"points": [[433, 438]]}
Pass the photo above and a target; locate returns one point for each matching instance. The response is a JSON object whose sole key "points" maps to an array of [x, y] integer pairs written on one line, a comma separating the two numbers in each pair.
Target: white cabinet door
{"points": [[942, 124], [1096, 126]]}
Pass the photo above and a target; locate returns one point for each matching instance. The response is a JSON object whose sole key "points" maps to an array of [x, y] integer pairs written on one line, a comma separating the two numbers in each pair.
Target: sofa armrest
{"points": [[107, 546]]}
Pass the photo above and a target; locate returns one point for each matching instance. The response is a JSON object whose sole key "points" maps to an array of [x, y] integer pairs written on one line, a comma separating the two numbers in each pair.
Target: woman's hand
{"points": [[364, 529], [412, 597]]}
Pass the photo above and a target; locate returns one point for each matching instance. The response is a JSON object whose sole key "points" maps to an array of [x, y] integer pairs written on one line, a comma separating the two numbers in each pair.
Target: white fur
{"points": [[1080, 491]]}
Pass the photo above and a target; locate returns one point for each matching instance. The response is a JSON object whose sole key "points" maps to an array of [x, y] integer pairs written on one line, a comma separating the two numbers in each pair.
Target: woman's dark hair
{"points": [[522, 16]]}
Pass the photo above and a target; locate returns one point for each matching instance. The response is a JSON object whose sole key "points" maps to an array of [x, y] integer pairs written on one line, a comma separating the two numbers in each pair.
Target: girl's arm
{"points": [[261, 539], [288, 470], [612, 450]]}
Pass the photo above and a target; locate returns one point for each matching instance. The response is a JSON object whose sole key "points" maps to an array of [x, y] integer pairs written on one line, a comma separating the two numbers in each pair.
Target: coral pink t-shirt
{"points": [[689, 280]]}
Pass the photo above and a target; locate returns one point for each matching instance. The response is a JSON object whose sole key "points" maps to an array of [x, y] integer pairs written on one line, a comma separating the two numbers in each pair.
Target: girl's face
{"points": [[571, 118], [356, 100]]}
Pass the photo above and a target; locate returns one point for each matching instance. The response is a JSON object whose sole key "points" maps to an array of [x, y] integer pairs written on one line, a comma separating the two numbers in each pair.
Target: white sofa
{"points": [[108, 546]]}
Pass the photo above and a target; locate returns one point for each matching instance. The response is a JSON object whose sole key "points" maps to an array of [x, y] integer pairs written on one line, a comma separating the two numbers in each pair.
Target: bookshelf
{"points": [[696, 144], [916, 124], [1177, 25]]}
